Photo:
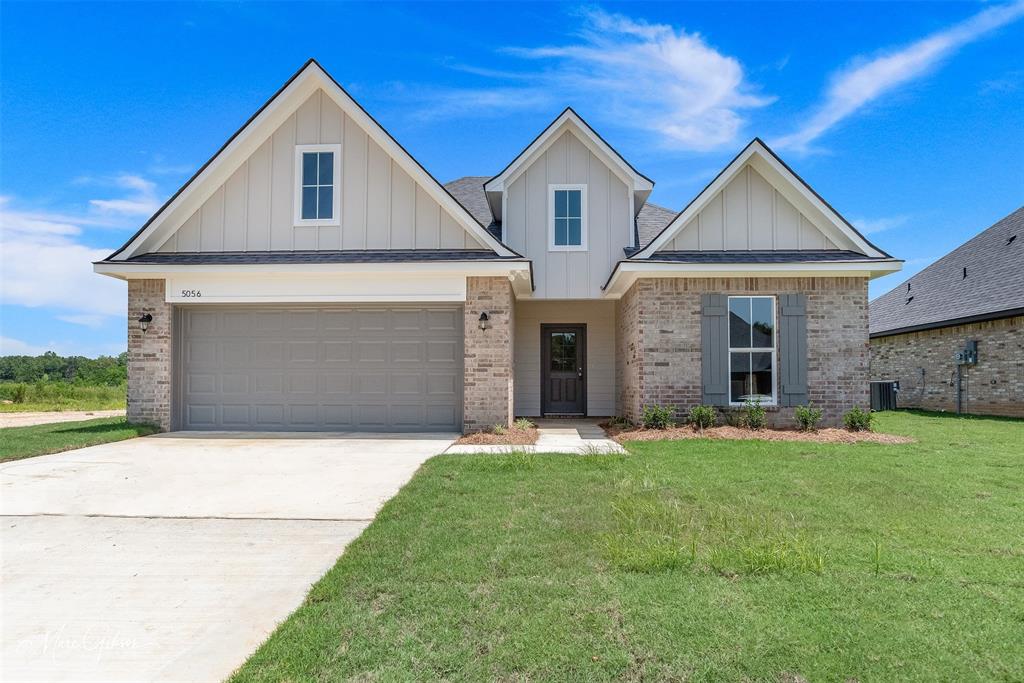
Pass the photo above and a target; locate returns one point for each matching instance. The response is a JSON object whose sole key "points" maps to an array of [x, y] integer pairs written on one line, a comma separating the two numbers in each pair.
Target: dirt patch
{"points": [[828, 435], [513, 436]]}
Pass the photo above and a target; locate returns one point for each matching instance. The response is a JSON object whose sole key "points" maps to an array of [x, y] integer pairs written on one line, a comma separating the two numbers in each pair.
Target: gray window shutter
{"points": [[792, 350], [714, 349]]}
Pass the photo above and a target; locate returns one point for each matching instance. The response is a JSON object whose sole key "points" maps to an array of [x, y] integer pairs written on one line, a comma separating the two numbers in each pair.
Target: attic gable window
{"points": [[567, 222], [317, 174]]}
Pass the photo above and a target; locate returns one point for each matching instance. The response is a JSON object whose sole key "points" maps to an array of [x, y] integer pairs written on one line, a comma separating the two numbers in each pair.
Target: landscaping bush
{"points": [[499, 429], [658, 417], [703, 417], [619, 422], [522, 424], [807, 417], [857, 420], [754, 415]]}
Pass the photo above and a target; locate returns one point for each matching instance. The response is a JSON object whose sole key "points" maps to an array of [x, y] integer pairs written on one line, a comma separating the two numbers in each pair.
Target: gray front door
{"points": [[328, 368], [563, 369]]}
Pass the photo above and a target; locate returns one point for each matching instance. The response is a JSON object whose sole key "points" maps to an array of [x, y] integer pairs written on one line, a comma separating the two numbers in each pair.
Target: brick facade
{"points": [[489, 372], [923, 364], [149, 354], [659, 342]]}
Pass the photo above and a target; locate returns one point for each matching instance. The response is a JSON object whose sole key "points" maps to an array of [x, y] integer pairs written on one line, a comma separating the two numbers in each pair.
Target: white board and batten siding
{"points": [[568, 274], [599, 317], [381, 206], [749, 214]]}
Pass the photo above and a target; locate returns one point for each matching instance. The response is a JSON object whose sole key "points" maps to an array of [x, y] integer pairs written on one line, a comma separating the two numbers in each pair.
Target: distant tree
{"points": [[49, 367]]}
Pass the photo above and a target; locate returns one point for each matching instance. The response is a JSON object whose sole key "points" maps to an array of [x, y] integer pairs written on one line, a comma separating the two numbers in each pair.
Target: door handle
{"points": [[579, 372]]}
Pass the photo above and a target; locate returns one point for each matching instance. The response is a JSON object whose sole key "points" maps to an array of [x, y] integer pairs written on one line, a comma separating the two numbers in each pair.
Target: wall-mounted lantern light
{"points": [[145, 320], [485, 321]]}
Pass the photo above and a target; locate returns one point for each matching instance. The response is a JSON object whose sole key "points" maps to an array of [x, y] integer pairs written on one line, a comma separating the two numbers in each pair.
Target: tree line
{"points": [[49, 367]]}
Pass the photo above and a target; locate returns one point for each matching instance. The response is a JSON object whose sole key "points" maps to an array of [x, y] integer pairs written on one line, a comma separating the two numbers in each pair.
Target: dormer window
{"points": [[567, 218], [317, 173]]}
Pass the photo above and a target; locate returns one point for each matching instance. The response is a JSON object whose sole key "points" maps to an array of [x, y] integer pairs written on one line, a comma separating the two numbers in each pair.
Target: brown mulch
{"points": [[511, 437], [827, 435]]}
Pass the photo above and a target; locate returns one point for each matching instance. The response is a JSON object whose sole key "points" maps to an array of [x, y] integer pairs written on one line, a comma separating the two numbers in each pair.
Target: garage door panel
{"points": [[339, 368]]}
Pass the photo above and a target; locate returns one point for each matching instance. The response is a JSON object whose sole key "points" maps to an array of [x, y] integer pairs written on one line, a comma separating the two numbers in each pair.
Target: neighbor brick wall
{"points": [[660, 345], [149, 354], [489, 372], [923, 364]]}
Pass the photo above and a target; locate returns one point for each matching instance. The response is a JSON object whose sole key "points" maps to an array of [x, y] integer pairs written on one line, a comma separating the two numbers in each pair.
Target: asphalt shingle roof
{"points": [[469, 191], [758, 256], [651, 220], [346, 256], [942, 293]]}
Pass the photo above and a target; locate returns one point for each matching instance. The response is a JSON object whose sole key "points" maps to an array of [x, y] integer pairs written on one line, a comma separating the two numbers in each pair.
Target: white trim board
{"points": [[247, 140], [568, 121], [628, 272], [787, 183]]}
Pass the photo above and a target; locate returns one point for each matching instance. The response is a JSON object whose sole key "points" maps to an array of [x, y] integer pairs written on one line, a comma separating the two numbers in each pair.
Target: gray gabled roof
{"points": [[761, 256], [325, 256], [651, 220], [469, 191], [981, 279]]}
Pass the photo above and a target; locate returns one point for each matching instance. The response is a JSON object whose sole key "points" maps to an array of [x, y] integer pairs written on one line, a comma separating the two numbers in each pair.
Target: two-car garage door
{"points": [[329, 368]]}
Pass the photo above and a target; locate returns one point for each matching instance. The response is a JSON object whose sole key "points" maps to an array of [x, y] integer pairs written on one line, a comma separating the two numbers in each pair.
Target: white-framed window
{"points": [[317, 175], [752, 349], [567, 217]]}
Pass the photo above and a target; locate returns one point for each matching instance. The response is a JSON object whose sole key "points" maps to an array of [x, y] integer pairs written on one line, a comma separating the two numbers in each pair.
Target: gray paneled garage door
{"points": [[345, 368]]}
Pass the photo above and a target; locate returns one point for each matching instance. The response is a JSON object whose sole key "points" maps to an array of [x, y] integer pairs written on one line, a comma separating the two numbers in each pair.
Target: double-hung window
{"points": [[751, 349], [567, 229], [317, 173]]}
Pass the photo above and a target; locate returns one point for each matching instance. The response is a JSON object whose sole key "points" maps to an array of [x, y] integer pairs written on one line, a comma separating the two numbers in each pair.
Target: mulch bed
{"points": [[827, 435], [511, 437]]}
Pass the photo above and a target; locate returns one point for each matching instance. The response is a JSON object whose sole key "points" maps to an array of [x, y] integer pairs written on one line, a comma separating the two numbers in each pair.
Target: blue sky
{"points": [[908, 118]]}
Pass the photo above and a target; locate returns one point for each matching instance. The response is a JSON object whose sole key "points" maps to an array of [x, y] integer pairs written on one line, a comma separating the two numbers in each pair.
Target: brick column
{"points": [[149, 354], [489, 377]]}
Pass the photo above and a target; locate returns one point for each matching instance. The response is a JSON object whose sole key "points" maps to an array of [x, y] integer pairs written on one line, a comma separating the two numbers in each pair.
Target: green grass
{"points": [[690, 560], [24, 442], [53, 396]]}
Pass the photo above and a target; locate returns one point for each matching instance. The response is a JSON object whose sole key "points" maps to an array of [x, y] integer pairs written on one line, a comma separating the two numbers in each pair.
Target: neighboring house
{"points": [[972, 298], [314, 276]]}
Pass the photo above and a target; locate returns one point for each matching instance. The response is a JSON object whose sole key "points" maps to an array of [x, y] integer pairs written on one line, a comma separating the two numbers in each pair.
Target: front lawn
{"points": [[25, 442], [686, 560]]}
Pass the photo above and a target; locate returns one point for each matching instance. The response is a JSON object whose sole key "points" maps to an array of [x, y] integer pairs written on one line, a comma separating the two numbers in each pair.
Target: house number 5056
{"points": [[191, 293]]}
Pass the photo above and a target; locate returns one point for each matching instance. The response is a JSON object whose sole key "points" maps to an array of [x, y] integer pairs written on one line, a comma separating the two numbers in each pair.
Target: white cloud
{"points": [[873, 225], [43, 265], [140, 201], [86, 319], [866, 80], [652, 77], [16, 347]]}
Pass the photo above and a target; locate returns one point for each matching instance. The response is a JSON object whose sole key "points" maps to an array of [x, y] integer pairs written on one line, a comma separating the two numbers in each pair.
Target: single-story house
{"points": [[952, 336], [312, 275]]}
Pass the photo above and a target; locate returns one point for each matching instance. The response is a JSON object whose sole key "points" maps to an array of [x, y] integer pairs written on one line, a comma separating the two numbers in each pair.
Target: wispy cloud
{"points": [[869, 226], [656, 78], [866, 80], [141, 199], [45, 264]]}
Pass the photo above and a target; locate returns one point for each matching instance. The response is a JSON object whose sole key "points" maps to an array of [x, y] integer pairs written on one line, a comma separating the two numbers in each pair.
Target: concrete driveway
{"points": [[172, 557]]}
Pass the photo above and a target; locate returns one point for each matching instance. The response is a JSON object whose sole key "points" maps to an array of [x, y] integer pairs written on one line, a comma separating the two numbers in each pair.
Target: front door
{"points": [[563, 369]]}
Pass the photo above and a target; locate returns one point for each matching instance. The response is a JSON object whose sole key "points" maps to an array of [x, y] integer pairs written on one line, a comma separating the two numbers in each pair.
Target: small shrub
{"points": [[857, 420], [807, 417], [658, 417], [754, 415], [499, 429], [619, 422], [522, 424], [703, 417], [19, 393]]}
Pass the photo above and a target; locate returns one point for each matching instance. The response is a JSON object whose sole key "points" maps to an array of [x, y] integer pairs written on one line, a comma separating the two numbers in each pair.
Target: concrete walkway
{"points": [[47, 417], [172, 557], [556, 436]]}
